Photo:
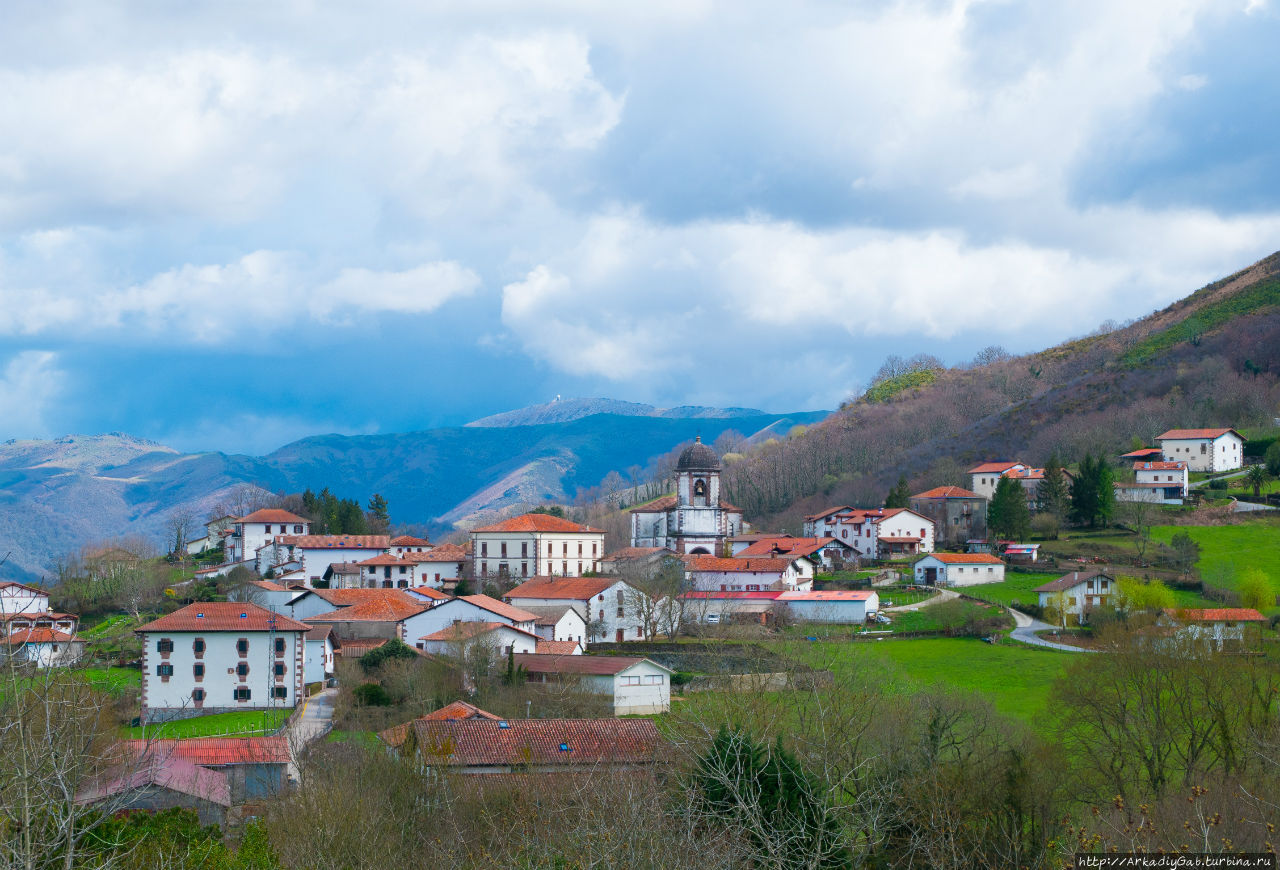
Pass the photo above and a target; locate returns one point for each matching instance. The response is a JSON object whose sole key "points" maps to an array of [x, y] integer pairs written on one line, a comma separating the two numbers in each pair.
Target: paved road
{"points": [[310, 725], [1026, 628], [943, 595]]}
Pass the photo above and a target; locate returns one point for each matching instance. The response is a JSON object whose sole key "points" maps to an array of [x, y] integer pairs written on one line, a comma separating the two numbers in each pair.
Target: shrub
{"points": [[1219, 483], [392, 649], [371, 695]]}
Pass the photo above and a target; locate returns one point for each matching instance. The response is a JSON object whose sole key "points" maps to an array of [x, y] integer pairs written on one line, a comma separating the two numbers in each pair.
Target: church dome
{"points": [[698, 457]]}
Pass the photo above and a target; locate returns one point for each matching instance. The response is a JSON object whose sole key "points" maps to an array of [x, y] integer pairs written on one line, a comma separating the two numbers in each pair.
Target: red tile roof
{"points": [[272, 515], [1144, 453], [409, 541], [537, 523], [738, 565], [268, 585], [396, 734], [829, 511], [992, 467], [870, 515], [468, 630], [1026, 474], [359, 646], [336, 542], [217, 751], [947, 492], [827, 595], [37, 635], [440, 553], [550, 615], [767, 594], [1192, 434], [559, 742], [320, 632], [787, 545], [428, 593], [571, 588], [174, 774], [375, 610], [13, 584], [901, 539], [386, 559], [590, 665], [493, 605], [558, 647], [349, 597], [965, 558], [1217, 614], [223, 616]]}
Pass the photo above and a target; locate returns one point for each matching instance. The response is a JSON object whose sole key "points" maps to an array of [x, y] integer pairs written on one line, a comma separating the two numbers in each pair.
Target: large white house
{"points": [[958, 569], [441, 565], [1203, 449], [217, 656], [316, 553], [833, 605], [468, 608], [535, 544], [607, 602], [747, 574], [883, 533], [251, 533], [1156, 482], [695, 519], [29, 632], [1074, 595], [20, 598], [461, 640], [637, 686]]}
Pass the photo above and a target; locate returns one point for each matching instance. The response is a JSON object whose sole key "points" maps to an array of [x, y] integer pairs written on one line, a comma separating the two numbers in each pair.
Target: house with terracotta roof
{"points": [[396, 734], [824, 524], [958, 515], [885, 533], [314, 602], [958, 569], [316, 553], [464, 640], [402, 544], [536, 544], [152, 784], [609, 604], [389, 571], [749, 574], [1072, 596], [832, 605], [481, 745], [828, 553], [985, 477], [387, 617], [635, 685], [21, 598], [561, 623], [218, 656], [255, 767], [1155, 483], [467, 608], [717, 607], [695, 520], [1219, 628], [42, 639], [1203, 449], [442, 565], [254, 531]]}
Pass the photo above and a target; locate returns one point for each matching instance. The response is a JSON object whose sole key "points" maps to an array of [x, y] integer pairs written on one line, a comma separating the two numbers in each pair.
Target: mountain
{"points": [[567, 410], [1210, 359], [58, 495]]}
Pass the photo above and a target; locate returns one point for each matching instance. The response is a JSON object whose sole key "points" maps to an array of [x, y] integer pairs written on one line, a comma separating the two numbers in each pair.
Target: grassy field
{"points": [[1227, 550], [1017, 587], [234, 724], [116, 681]]}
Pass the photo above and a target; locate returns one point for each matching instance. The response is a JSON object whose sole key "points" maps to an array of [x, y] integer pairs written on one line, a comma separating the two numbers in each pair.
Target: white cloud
{"points": [[29, 389]]}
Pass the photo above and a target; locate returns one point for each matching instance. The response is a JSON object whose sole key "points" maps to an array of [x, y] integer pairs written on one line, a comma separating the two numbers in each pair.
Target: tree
{"points": [[1136, 596], [551, 510], [1256, 589], [379, 517], [1186, 552], [900, 495], [1093, 497], [1256, 477], [179, 524], [1139, 516], [1007, 515], [1052, 496], [1272, 458]]}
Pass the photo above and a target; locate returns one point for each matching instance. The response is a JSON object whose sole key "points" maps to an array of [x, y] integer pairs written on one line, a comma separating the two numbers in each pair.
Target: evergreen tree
{"points": [[1008, 516], [1093, 497], [379, 518], [900, 495], [1052, 496]]}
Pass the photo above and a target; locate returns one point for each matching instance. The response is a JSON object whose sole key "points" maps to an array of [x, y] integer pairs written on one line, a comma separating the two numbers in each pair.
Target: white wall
{"points": [[319, 661], [498, 639], [959, 574], [1224, 453], [19, 599], [603, 607], [174, 695], [563, 554]]}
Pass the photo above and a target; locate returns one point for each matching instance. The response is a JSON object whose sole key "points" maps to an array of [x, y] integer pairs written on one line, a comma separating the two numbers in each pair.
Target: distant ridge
{"points": [[568, 410]]}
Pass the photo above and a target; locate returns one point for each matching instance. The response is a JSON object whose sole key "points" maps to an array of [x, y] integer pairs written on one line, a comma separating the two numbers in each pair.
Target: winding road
{"points": [[1026, 628]]}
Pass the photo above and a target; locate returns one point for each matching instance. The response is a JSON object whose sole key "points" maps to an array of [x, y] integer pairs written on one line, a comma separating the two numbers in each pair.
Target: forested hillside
{"points": [[1212, 358]]}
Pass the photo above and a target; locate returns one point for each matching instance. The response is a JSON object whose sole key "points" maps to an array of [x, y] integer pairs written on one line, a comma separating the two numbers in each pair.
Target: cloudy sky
{"points": [[228, 225]]}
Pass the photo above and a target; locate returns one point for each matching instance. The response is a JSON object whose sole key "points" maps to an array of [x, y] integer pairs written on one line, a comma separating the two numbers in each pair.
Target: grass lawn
{"points": [[233, 724], [1017, 586], [116, 681], [1015, 677], [366, 738], [112, 625], [1225, 551], [896, 596]]}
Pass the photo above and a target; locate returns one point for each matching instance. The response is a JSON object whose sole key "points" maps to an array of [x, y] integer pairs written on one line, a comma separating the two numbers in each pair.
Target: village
{"points": [[600, 647]]}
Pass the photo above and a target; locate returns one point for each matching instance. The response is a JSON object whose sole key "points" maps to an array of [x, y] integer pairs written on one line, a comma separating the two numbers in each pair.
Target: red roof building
{"points": [[481, 745], [222, 616]]}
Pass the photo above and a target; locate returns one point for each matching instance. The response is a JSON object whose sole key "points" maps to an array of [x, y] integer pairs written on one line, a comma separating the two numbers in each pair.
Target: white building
{"points": [[824, 552], [404, 544], [20, 598], [562, 622], [251, 533], [781, 574], [462, 639], [1173, 476], [318, 665], [838, 606], [29, 632], [694, 520], [637, 686], [885, 533], [316, 553], [607, 602], [217, 656], [441, 565], [1220, 627], [1203, 449], [984, 478], [958, 569], [468, 608], [536, 544], [825, 524], [389, 571], [1074, 595]]}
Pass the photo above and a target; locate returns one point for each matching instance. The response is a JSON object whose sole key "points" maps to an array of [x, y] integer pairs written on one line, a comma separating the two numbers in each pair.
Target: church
{"points": [[694, 520]]}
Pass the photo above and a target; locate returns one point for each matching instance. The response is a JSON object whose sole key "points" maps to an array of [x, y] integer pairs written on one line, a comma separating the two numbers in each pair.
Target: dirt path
{"points": [[943, 595], [1026, 628]]}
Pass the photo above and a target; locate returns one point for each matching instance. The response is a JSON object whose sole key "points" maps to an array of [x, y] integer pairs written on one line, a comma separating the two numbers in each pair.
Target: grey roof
{"points": [[698, 457], [552, 615], [1068, 580]]}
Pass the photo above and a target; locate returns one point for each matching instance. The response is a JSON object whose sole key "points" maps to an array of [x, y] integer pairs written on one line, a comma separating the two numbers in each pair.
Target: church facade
{"points": [[695, 519]]}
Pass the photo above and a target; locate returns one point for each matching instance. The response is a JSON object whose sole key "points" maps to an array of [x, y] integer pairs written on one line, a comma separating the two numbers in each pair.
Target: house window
{"points": [[280, 669], [653, 680], [197, 671], [241, 693], [242, 669], [564, 568], [593, 549], [579, 548], [402, 568], [602, 616], [524, 549], [630, 681], [197, 646], [484, 567], [503, 548], [165, 670], [242, 646], [619, 613], [524, 569], [197, 695], [268, 528], [279, 646], [164, 645], [279, 691], [484, 548]]}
